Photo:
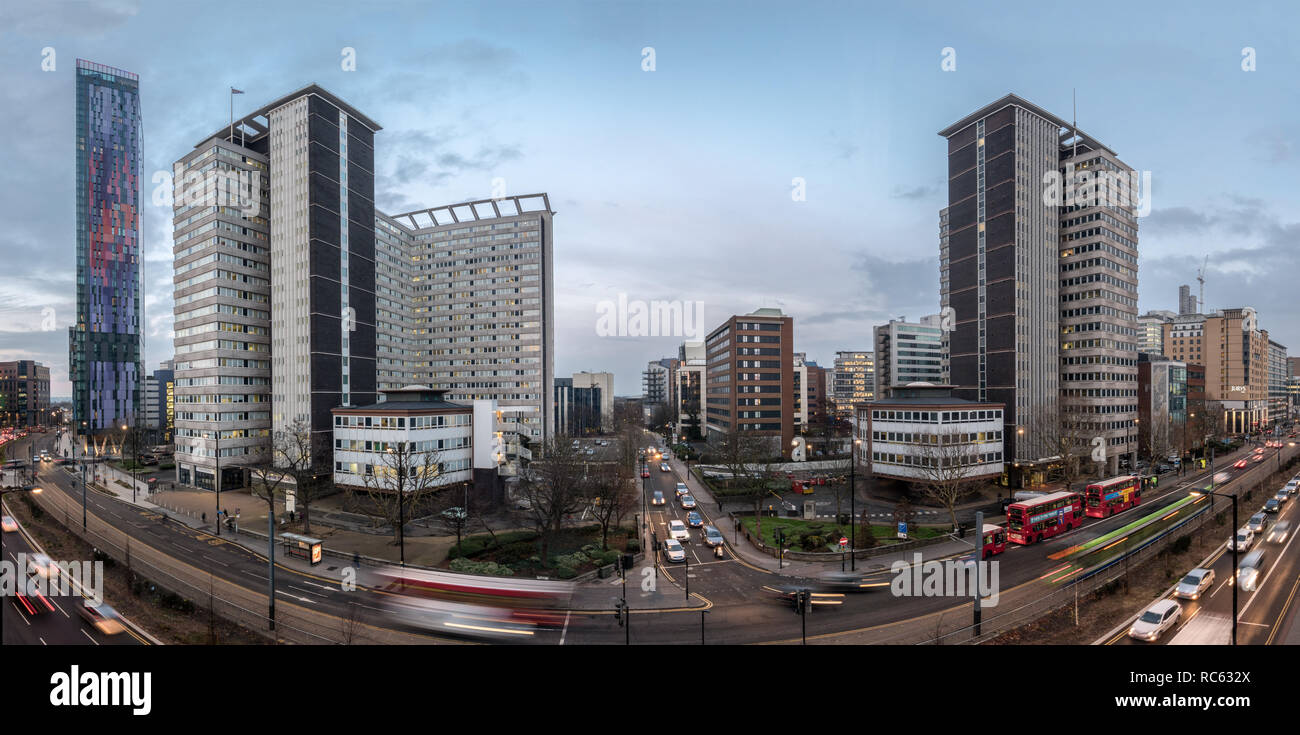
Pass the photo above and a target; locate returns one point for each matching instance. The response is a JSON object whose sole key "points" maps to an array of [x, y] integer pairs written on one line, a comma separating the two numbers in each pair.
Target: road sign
{"points": [[843, 542], [902, 529]]}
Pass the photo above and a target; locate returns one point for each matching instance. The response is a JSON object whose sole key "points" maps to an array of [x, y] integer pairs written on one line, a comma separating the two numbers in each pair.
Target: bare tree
{"points": [[553, 489], [611, 495], [403, 475], [946, 466], [296, 450], [1064, 434]]}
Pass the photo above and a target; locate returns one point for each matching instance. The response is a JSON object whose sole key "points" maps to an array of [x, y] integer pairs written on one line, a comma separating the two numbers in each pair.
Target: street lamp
{"points": [[1212, 495], [401, 515], [853, 508]]}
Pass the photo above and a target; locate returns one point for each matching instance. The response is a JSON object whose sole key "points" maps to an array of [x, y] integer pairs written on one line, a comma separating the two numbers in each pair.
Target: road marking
{"points": [[92, 640], [565, 631]]}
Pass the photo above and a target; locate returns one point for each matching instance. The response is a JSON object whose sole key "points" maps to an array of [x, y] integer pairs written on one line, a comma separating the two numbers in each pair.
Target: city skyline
{"points": [[612, 143]]}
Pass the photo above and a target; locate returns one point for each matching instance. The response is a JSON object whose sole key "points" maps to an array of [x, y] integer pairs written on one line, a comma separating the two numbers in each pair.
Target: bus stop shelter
{"points": [[303, 547]]}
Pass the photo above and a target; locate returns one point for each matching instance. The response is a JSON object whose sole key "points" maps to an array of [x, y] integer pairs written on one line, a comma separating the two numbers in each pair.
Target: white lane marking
{"points": [[92, 640], [565, 631], [255, 574], [42, 640]]}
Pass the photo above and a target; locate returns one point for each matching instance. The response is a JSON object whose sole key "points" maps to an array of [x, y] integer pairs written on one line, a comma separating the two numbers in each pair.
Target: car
{"points": [[1282, 496], [712, 536], [674, 551], [8, 524], [694, 519], [663, 467], [1240, 464], [677, 530], [1163, 468], [688, 502], [645, 472], [1242, 540], [1158, 618], [1292, 486], [1194, 584], [102, 617], [1250, 570], [1272, 506], [1279, 532], [1256, 522], [682, 489], [40, 564], [657, 498]]}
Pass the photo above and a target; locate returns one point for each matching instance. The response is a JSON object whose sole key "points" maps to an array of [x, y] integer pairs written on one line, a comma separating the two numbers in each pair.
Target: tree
{"points": [[403, 475], [1063, 433], [268, 481], [553, 489], [297, 451], [946, 465], [742, 453], [610, 495]]}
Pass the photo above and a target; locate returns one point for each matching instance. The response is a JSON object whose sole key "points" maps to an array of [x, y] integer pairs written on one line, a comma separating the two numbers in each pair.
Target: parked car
{"points": [[1195, 584], [1279, 532], [1158, 618], [674, 551]]}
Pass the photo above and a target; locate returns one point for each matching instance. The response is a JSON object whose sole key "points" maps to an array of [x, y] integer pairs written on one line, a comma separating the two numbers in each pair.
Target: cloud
{"points": [[916, 192], [67, 18]]}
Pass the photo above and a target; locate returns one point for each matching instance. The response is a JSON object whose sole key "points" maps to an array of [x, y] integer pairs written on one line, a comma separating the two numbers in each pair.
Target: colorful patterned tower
{"points": [[104, 347]]}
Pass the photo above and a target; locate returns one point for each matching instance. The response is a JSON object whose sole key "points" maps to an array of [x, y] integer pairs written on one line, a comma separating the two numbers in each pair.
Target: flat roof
{"points": [[259, 129], [1012, 100], [1045, 498]]}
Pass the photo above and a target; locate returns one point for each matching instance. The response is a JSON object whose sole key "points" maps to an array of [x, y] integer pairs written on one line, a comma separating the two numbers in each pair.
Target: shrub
{"points": [[565, 572], [633, 547], [1181, 544], [481, 567], [813, 542]]}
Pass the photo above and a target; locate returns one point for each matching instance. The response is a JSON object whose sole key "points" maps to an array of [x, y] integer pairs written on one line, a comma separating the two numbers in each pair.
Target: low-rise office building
{"points": [[921, 431]]}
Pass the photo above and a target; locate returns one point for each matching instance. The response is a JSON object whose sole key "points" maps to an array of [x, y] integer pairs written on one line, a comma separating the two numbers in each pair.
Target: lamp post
{"points": [[401, 514], [853, 508], [1213, 495], [1020, 434]]}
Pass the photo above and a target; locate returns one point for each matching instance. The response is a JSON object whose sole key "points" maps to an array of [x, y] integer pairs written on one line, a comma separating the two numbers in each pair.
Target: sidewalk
{"points": [[746, 552]]}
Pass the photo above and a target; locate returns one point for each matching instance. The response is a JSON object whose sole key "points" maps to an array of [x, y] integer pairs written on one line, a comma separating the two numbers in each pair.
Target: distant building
{"points": [[855, 380], [688, 386], [750, 383], [24, 394], [1151, 331], [1162, 405], [1235, 354], [1186, 301], [1277, 383], [809, 392], [921, 428], [909, 352], [584, 404]]}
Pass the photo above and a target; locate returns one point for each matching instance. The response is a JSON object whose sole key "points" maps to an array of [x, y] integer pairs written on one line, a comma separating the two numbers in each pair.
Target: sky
{"points": [[774, 154]]}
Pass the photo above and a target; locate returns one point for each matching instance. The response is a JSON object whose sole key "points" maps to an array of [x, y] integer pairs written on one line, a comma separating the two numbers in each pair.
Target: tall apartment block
{"points": [[1044, 289], [274, 250], [854, 381], [909, 352], [465, 304], [104, 349], [1235, 353], [1187, 303], [750, 383], [1151, 331], [1278, 410], [24, 393]]}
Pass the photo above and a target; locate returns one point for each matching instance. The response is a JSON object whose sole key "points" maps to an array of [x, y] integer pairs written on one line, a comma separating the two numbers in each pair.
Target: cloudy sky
{"points": [[676, 183]]}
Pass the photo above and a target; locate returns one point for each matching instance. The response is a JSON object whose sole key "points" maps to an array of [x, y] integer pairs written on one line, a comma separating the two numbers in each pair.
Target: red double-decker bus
{"points": [[1043, 517], [1108, 497], [995, 540]]}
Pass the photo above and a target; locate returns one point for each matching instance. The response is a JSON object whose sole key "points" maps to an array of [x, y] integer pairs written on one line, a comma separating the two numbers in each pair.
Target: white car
{"points": [[677, 531], [1250, 569], [674, 551], [8, 524], [1156, 620], [1242, 541], [1292, 486], [1279, 532], [1194, 584]]}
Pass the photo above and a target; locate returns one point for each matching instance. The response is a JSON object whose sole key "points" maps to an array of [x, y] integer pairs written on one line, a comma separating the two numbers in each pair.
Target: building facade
{"points": [[24, 394], [1278, 409], [1187, 304], [1162, 406], [1043, 289], [1151, 331], [909, 352], [854, 380], [749, 388], [923, 433], [1235, 354], [584, 404], [104, 346], [425, 431]]}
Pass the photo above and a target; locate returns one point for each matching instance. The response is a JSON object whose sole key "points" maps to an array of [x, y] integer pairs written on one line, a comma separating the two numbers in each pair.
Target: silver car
{"points": [[1279, 533], [712, 536], [1256, 522], [673, 550], [1156, 620], [687, 502], [1195, 584]]}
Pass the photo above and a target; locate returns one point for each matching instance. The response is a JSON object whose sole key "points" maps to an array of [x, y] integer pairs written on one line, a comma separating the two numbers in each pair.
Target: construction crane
{"points": [[1200, 277]]}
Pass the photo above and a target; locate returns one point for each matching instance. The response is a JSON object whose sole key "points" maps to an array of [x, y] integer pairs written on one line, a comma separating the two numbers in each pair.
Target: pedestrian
{"points": [[356, 560], [205, 516]]}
